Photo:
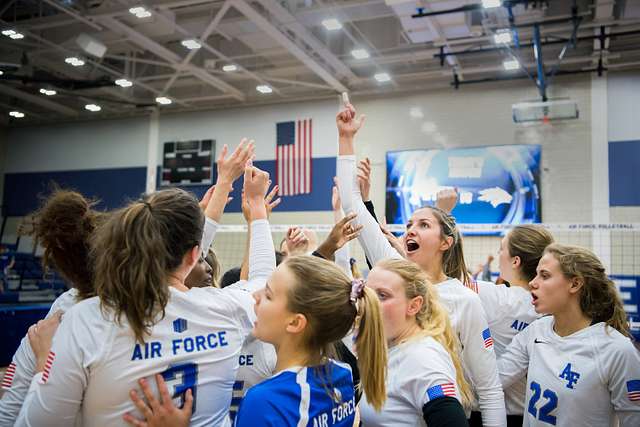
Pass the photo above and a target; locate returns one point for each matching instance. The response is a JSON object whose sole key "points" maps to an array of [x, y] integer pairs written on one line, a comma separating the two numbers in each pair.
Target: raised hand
{"points": [[204, 202], [231, 168], [347, 123], [161, 413], [364, 178], [341, 233], [297, 242], [269, 203], [447, 199], [256, 184]]}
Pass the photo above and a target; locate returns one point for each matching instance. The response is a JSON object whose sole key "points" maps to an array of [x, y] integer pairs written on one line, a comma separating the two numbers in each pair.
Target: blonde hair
{"points": [[599, 299], [433, 318], [528, 242], [322, 293], [453, 264]]}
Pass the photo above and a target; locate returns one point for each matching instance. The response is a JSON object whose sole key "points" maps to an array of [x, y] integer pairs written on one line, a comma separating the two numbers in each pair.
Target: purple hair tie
{"points": [[357, 288]]}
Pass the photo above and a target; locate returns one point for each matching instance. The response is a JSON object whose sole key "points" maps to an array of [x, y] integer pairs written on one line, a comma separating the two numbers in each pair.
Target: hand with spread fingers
{"points": [[341, 233], [159, 413], [296, 241], [232, 167]]}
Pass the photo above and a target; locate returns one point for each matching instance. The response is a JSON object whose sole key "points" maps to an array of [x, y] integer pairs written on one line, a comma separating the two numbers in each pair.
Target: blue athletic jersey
{"points": [[301, 396]]}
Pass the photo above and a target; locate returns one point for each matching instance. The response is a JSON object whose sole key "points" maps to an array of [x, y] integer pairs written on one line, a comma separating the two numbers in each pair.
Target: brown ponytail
{"points": [[599, 299], [63, 226], [322, 293], [136, 250]]}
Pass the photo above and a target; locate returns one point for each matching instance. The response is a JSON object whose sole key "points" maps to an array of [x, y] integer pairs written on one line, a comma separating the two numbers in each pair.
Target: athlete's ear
{"points": [[297, 323], [415, 304], [446, 243], [576, 284], [516, 261]]}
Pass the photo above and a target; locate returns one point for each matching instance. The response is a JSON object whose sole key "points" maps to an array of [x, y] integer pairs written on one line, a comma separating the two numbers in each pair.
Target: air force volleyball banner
{"points": [[497, 184]]}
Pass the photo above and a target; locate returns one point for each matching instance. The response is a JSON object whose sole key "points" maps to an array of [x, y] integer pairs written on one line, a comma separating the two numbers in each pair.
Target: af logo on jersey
{"points": [[570, 376]]}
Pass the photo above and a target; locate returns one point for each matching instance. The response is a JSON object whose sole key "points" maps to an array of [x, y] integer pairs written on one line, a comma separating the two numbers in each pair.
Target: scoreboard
{"points": [[188, 162]]}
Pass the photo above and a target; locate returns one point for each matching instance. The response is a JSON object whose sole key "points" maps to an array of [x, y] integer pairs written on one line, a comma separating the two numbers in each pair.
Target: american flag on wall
{"points": [[293, 157]]}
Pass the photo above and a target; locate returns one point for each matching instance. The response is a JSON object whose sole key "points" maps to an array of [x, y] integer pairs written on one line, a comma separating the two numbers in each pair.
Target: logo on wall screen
{"points": [[497, 184], [293, 157]]}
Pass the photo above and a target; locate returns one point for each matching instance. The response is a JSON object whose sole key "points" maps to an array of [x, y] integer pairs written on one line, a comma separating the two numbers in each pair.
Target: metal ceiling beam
{"points": [[37, 100], [297, 51], [71, 12], [168, 55], [290, 21]]}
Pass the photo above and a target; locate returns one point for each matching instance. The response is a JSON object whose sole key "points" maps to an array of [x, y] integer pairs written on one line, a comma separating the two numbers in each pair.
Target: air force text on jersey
{"points": [[182, 345]]}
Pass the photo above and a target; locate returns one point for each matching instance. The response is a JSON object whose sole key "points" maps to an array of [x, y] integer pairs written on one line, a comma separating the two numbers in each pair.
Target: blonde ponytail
{"points": [[433, 317], [371, 347]]}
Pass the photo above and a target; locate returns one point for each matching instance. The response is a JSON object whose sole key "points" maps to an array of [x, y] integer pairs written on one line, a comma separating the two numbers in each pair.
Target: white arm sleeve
{"points": [[621, 366], [208, 234], [514, 363], [57, 401], [375, 245], [480, 363], [16, 383], [262, 255], [343, 256]]}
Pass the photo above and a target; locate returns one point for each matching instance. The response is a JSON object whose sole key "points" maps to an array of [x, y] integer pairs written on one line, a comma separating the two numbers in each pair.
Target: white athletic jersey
{"points": [[95, 361], [418, 372], [585, 379], [301, 396], [257, 361], [23, 367], [509, 310], [465, 309]]}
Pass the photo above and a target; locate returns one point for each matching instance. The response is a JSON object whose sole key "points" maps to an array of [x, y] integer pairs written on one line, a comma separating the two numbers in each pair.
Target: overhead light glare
{"points": [[93, 107], [332, 24], [230, 68], [502, 36], [8, 32], [48, 92], [382, 77], [123, 83], [488, 4], [191, 44], [360, 54], [511, 64], [16, 114], [17, 36], [76, 62], [163, 100], [140, 12], [264, 89]]}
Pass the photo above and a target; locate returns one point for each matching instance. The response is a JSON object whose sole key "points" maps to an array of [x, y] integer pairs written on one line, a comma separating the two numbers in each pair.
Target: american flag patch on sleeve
{"points": [[7, 380], [633, 390], [47, 367], [441, 390], [486, 336]]}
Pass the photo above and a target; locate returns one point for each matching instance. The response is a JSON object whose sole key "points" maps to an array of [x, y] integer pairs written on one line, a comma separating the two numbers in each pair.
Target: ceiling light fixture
{"points": [[488, 4], [163, 100], [331, 24], [48, 92], [264, 89], [76, 62], [502, 36], [360, 54], [230, 68], [382, 77], [123, 83], [16, 114], [191, 44], [93, 107], [511, 64], [140, 12]]}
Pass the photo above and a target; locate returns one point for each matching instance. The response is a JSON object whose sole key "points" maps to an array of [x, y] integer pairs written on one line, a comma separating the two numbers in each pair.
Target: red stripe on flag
{"points": [[47, 366], [449, 389], [309, 158]]}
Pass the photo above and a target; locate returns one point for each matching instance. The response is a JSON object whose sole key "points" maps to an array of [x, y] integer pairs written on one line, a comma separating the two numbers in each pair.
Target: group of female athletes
{"points": [[142, 339]]}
